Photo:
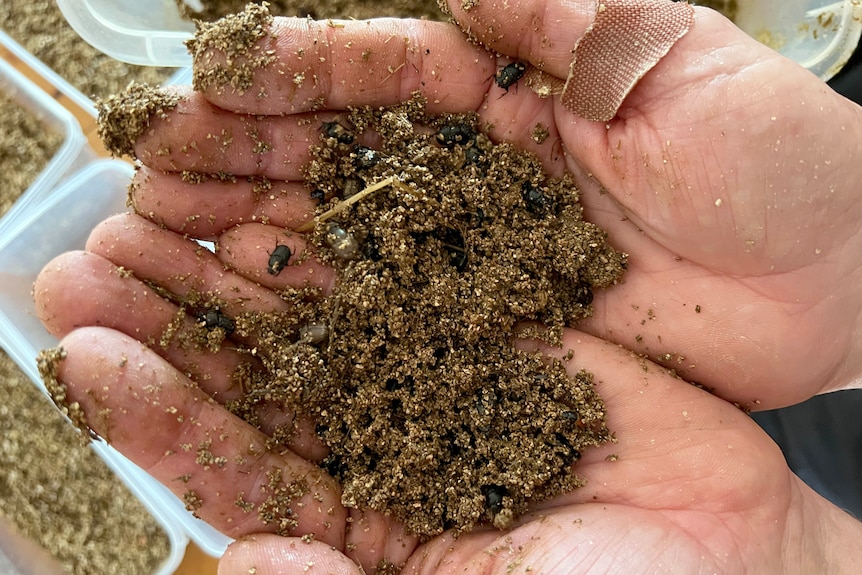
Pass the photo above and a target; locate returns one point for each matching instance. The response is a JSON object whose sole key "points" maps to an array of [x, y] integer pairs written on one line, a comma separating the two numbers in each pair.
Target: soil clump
{"points": [[408, 368]]}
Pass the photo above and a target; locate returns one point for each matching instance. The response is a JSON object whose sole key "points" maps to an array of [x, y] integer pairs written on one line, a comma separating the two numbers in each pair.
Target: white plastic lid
{"points": [[143, 32]]}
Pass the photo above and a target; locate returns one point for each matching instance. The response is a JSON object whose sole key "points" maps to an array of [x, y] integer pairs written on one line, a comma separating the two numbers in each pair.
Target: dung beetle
{"points": [[337, 131], [455, 135], [215, 319], [537, 202], [583, 294], [319, 196], [472, 156], [364, 157], [278, 259], [510, 74], [494, 495]]}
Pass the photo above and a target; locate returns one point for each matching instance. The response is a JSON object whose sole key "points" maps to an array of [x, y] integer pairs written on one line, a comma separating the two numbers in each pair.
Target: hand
{"points": [[730, 175], [744, 291], [691, 486]]}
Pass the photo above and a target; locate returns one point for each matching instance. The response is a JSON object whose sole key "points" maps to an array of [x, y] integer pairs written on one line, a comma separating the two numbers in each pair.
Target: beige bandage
{"points": [[626, 39]]}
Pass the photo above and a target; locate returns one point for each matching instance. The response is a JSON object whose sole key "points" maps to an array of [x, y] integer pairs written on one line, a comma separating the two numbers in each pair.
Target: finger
{"points": [[218, 464], [539, 32], [334, 64], [180, 266], [264, 554], [374, 538], [573, 541], [79, 289], [204, 210], [250, 250], [198, 136]]}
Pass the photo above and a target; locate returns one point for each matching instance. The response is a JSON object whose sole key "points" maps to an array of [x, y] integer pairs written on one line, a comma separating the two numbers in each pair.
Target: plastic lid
{"points": [[143, 32]]}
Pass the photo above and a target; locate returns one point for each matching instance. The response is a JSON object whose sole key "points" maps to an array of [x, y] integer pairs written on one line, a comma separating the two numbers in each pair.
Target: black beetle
{"points": [[278, 259], [494, 495], [215, 319], [537, 202], [583, 294], [337, 131], [472, 156], [319, 195], [455, 135], [364, 157], [510, 74]]}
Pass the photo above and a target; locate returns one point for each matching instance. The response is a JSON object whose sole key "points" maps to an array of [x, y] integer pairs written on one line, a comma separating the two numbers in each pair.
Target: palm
{"points": [[721, 177], [718, 186], [694, 482]]}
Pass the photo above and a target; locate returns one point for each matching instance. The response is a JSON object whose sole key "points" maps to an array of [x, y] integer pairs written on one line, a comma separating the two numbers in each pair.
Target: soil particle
{"points": [[229, 51]]}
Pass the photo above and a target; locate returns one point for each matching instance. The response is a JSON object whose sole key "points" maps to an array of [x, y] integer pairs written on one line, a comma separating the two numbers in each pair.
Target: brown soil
{"points": [[408, 367], [26, 147]]}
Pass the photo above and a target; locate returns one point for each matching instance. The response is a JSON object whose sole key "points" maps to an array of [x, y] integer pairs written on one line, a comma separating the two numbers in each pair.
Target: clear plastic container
{"points": [[28, 241], [73, 151], [821, 35], [72, 194]]}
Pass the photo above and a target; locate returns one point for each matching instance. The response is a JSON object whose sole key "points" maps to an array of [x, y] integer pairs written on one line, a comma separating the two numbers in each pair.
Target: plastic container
{"points": [[821, 35], [73, 193], [73, 151], [28, 241]]}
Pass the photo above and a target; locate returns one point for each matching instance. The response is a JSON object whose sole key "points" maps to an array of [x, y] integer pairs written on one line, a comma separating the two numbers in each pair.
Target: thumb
{"points": [[267, 554]]}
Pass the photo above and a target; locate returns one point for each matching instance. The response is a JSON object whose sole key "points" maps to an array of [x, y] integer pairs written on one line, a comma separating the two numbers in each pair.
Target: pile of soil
{"points": [[408, 367], [26, 147], [444, 244]]}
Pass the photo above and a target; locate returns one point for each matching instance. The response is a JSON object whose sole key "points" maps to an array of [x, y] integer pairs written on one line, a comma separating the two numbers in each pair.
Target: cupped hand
{"points": [[727, 175]]}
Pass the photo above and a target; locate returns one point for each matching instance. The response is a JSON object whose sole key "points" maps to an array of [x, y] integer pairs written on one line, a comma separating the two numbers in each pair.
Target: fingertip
{"points": [[265, 554]]}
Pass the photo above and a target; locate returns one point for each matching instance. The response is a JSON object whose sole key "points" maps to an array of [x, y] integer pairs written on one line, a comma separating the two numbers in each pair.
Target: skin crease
{"points": [[729, 176]]}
